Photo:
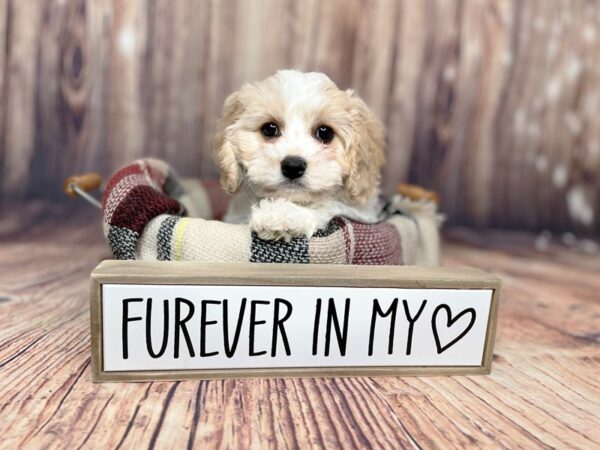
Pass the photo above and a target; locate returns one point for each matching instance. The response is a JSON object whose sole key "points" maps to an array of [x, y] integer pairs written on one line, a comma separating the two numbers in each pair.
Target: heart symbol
{"points": [[449, 322]]}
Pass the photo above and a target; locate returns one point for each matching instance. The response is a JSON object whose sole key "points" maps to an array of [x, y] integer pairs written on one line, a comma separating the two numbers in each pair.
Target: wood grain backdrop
{"points": [[492, 102]]}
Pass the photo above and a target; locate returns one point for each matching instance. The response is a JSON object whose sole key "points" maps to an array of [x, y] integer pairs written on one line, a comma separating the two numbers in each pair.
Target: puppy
{"points": [[298, 151]]}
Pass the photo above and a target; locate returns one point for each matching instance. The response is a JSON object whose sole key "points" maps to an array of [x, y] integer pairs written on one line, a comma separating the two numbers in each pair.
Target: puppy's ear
{"points": [[223, 149], [366, 154]]}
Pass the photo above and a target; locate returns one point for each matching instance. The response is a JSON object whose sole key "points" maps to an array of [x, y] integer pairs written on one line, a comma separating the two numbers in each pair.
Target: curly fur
{"points": [[342, 176]]}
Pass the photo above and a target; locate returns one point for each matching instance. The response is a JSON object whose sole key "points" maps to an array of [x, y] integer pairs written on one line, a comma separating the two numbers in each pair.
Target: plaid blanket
{"points": [[150, 214]]}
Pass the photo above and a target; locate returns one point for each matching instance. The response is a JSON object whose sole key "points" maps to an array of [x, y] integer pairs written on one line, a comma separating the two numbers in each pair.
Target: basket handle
{"points": [[81, 185]]}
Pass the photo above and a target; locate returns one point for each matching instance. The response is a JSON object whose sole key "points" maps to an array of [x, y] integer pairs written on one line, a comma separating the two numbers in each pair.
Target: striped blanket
{"points": [[150, 214]]}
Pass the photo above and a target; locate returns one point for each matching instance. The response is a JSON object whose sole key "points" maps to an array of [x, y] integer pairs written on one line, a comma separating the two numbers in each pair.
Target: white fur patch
{"points": [[282, 219]]}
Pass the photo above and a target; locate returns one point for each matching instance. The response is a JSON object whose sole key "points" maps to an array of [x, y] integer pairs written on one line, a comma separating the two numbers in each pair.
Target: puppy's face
{"points": [[297, 136]]}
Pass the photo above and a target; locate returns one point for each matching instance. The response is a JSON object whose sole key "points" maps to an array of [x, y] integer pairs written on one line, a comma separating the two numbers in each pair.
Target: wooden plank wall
{"points": [[492, 102]]}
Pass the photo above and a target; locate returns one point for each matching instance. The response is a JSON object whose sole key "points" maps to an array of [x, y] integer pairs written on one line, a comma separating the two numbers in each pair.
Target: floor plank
{"points": [[544, 390]]}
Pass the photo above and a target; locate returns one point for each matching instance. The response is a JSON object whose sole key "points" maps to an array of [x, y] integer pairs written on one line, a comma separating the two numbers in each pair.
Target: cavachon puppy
{"points": [[297, 151]]}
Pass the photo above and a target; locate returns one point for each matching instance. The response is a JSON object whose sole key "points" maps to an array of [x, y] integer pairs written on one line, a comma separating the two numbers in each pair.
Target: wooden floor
{"points": [[544, 390]]}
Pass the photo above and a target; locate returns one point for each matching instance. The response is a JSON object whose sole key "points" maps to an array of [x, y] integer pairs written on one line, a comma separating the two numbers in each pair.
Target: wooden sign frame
{"points": [[252, 274]]}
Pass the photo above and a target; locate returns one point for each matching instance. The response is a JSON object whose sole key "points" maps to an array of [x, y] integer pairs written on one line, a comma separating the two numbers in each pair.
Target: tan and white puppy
{"points": [[298, 151]]}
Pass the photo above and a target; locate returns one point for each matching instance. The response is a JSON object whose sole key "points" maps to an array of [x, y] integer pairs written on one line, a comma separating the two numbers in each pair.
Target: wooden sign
{"points": [[176, 320]]}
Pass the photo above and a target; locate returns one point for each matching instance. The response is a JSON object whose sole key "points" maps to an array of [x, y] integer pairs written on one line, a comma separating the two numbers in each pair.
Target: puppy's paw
{"points": [[276, 219]]}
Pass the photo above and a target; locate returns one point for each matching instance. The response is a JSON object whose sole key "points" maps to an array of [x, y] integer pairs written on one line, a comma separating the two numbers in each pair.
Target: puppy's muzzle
{"points": [[293, 167]]}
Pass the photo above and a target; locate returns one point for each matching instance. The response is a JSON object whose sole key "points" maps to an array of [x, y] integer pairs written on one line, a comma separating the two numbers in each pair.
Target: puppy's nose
{"points": [[293, 167]]}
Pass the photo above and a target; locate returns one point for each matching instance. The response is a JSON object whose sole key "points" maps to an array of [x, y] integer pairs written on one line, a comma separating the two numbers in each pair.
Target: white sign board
{"points": [[176, 328]]}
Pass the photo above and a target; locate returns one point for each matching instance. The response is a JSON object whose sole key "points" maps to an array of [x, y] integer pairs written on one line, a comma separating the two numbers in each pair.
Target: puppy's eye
{"points": [[270, 130], [324, 134]]}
